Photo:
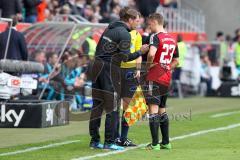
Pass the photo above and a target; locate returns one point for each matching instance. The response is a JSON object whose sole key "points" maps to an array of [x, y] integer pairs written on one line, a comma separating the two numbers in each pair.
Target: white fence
{"points": [[183, 20]]}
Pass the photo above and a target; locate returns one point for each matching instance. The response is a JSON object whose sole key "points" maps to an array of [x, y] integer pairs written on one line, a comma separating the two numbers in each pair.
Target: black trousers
{"points": [[105, 93]]}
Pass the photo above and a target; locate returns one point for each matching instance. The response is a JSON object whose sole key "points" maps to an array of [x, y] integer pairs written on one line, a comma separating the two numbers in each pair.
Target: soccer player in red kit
{"points": [[162, 59]]}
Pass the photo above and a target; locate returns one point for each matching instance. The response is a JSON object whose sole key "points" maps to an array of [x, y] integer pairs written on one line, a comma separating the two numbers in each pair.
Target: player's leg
{"points": [[154, 123], [164, 123], [153, 104]]}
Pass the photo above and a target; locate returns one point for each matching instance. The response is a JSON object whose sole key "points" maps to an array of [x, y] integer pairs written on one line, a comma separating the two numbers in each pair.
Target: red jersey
{"points": [[166, 50]]}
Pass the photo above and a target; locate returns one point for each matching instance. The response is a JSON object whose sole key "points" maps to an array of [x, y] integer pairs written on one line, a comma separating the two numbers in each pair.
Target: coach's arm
{"points": [[124, 48]]}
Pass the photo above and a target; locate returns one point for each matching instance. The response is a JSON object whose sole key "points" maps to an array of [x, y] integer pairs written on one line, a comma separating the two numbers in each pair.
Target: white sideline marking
{"points": [[172, 139], [224, 114], [37, 148]]}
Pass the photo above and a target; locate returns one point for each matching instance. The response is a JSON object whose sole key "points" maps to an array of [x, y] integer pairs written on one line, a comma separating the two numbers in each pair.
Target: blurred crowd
{"points": [[223, 53], [102, 11], [64, 79]]}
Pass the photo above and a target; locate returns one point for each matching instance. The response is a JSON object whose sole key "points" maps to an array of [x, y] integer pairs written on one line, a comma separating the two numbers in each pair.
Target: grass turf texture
{"points": [[215, 145]]}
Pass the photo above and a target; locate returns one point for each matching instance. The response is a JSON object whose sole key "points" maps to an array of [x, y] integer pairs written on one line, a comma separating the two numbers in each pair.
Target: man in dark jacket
{"points": [[10, 8], [31, 10], [17, 48], [112, 49]]}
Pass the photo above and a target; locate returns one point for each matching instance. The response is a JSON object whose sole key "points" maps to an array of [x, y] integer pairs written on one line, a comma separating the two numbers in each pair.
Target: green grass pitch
{"points": [[187, 116]]}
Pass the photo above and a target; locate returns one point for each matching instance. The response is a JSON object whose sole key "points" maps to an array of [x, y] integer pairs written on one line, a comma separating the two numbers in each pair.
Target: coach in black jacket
{"points": [[17, 49], [113, 47]]}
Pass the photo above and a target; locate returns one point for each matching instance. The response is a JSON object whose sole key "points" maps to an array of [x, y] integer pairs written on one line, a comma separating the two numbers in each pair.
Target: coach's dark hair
{"points": [[127, 13], [158, 17]]}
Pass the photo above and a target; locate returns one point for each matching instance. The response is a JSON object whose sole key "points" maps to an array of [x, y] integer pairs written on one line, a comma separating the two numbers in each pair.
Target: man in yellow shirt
{"points": [[130, 74]]}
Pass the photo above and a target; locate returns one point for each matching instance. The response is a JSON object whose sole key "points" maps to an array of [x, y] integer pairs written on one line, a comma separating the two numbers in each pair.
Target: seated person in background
{"points": [[52, 59], [205, 73], [71, 78]]}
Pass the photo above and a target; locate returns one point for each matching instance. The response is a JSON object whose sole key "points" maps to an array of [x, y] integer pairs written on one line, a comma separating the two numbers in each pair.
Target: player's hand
{"points": [[137, 75], [145, 48]]}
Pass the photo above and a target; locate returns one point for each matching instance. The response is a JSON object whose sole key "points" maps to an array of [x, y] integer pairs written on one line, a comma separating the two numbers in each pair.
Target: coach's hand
{"points": [[145, 48], [137, 75]]}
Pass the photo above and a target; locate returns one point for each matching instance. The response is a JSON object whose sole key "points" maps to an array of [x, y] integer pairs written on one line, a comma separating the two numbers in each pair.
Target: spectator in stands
{"points": [[52, 58], [97, 14], [237, 34], [65, 9], [205, 73], [62, 2], [77, 6], [230, 59], [41, 8], [76, 79], [147, 7], [104, 5], [106, 18], [40, 57], [88, 12], [10, 8], [230, 49], [223, 45], [114, 16], [31, 10], [17, 48]]}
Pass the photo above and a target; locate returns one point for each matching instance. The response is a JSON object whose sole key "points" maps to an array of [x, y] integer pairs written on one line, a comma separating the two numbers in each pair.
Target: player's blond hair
{"points": [[158, 17]]}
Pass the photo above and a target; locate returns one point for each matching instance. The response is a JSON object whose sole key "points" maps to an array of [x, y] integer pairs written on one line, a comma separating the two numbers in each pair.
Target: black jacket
{"points": [[31, 6], [114, 44], [10, 8], [17, 46]]}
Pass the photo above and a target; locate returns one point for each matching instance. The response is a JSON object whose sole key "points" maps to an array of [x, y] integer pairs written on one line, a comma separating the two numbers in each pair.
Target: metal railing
{"points": [[52, 36], [69, 18], [183, 20]]}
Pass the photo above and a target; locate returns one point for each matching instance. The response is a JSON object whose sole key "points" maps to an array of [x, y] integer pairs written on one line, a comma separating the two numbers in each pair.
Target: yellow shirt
{"points": [[182, 49], [136, 44]]}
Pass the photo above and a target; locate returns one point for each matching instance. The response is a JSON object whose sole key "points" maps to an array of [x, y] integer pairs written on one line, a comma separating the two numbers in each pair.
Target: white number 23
{"points": [[165, 57]]}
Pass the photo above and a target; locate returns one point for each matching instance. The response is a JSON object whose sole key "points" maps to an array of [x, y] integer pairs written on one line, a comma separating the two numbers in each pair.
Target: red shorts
{"points": [[159, 75]]}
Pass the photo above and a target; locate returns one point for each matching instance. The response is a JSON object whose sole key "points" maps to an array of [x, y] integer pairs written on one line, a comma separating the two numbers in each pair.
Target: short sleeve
{"points": [[154, 41]]}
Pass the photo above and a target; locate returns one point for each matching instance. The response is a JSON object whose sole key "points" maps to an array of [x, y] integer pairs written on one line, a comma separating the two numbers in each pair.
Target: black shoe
{"points": [[118, 141], [128, 143]]}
